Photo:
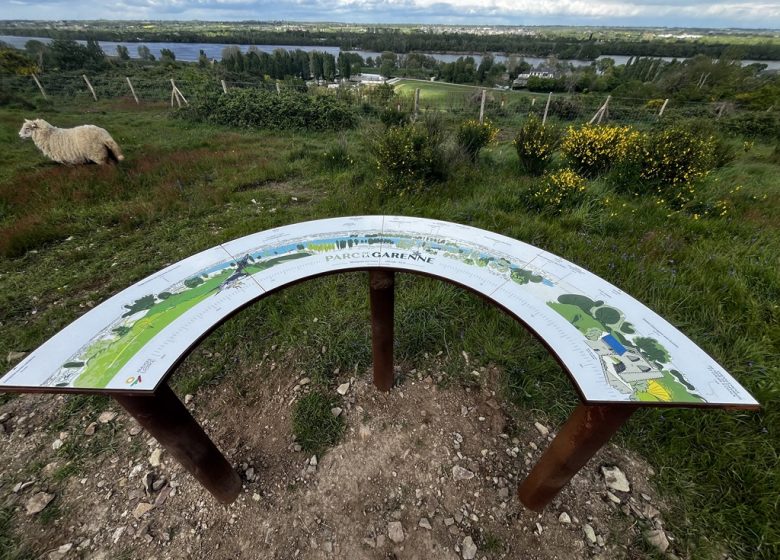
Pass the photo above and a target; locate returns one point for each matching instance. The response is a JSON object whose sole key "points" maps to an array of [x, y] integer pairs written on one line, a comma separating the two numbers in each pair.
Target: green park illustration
{"points": [[633, 365]]}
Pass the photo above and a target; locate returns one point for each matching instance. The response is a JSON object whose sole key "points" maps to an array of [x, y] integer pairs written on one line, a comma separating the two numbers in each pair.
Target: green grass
{"points": [[71, 237], [314, 425]]}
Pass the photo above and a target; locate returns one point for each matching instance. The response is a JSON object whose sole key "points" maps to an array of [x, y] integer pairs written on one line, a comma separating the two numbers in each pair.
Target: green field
{"points": [[70, 237]]}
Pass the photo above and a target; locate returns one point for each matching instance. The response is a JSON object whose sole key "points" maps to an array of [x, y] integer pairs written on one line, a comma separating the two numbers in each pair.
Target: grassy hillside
{"points": [[73, 236]]}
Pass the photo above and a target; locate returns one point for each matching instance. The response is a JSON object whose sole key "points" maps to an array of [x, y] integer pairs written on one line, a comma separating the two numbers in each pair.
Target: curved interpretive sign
{"points": [[614, 348]]}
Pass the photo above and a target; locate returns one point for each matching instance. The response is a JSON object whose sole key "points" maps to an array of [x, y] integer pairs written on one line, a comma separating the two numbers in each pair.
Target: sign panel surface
{"points": [[614, 348]]}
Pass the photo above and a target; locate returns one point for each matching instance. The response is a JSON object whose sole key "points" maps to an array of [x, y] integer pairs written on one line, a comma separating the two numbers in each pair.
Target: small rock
{"points": [[313, 461], [424, 523], [188, 398], [162, 496], [106, 416], [38, 502], [449, 521], [135, 430], [564, 518], [615, 479], [468, 549], [541, 428], [13, 356], [503, 493], [459, 473], [650, 512], [154, 459], [304, 381], [328, 547], [612, 498], [600, 540], [142, 509], [250, 474], [158, 484], [117, 534], [5, 417], [395, 531], [590, 534], [21, 486], [60, 553], [336, 411], [657, 538], [90, 430], [343, 388], [56, 444], [148, 482]]}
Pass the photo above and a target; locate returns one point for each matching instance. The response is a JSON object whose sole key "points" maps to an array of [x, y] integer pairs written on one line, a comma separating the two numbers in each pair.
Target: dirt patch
{"points": [[423, 472]]}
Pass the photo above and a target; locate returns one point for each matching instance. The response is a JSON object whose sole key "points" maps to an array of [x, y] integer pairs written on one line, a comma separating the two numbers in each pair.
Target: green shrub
{"points": [[556, 191], [473, 135], [535, 144], [257, 108], [409, 160], [752, 124], [393, 117]]}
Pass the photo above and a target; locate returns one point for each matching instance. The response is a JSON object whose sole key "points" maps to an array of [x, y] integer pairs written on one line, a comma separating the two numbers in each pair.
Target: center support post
{"points": [[382, 294], [166, 418], [588, 428]]}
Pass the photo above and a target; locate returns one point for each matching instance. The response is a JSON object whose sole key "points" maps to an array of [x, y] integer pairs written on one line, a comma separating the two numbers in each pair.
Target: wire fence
{"points": [[464, 102]]}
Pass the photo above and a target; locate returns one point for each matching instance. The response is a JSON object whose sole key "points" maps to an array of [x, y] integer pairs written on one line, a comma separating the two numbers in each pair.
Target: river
{"points": [[190, 51]]}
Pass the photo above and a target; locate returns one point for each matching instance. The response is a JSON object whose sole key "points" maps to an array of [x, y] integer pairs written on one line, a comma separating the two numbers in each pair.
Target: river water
{"points": [[189, 51]]}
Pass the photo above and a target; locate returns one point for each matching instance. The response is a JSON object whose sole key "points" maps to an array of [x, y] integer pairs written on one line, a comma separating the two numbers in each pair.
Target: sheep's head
{"points": [[27, 128]]}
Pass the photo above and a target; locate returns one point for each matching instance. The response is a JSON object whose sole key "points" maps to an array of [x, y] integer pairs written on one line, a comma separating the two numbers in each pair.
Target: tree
{"points": [[329, 66], [167, 56], [122, 52], [651, 348], [203, 60], [145, 54], [13, 61]]}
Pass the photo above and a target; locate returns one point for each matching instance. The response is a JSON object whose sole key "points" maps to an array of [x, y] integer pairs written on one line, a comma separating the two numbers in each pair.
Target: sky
{"points": [[640, 13]]}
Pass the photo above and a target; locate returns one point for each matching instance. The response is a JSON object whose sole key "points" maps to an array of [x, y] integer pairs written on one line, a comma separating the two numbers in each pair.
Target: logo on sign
{"points": [[133, 381]]}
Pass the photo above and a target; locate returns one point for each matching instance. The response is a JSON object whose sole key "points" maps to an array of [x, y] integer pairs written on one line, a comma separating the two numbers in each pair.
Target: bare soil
{"points": [[394, 464]]}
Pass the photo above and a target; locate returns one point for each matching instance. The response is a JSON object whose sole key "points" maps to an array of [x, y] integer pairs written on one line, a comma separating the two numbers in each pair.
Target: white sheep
{"points": [[81, 144]]}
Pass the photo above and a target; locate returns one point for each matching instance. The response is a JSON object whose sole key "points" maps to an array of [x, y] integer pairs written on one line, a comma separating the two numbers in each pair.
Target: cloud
{"points": [[684, 13]]}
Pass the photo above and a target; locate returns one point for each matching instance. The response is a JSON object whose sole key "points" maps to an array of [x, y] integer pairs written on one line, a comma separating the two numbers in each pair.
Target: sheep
{"points": [[82, 144]]}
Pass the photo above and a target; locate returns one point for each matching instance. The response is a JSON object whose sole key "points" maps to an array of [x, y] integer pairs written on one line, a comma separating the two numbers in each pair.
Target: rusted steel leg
{"points": [[165, 417], [584, 433], [382, 285]]}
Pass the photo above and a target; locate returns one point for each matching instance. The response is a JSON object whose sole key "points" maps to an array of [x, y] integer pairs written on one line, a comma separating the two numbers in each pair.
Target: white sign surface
{"points": [[615, 348]]}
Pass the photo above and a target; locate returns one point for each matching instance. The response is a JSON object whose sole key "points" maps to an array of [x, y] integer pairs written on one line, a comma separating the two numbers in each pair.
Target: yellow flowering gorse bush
{"points": [[472, 136], [408, 160], [592, 150], [535, 145], [557, 191]]}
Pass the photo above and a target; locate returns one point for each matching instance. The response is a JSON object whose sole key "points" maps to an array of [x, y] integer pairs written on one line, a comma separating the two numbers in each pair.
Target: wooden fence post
{"points": [[177, 92], [40, 87], [720, 110], [601, 112], [224, 86], [546, 108], [663, 107], [132, 89], [482, 107], [91, 89], [416, 101], [278, 89]]}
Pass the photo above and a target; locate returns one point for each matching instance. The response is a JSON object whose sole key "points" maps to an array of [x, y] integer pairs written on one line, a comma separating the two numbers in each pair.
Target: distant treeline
{"points": [[405, 42]]}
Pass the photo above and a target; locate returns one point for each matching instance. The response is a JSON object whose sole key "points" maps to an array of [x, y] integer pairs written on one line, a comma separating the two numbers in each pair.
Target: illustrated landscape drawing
{"points": [[609, 356]]}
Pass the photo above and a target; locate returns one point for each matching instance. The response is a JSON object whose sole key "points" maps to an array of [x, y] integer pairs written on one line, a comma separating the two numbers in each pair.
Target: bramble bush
{"points": [[409, 160], [535, 144], [556, 191], [257, 108], [593, 150], [473, 135]]}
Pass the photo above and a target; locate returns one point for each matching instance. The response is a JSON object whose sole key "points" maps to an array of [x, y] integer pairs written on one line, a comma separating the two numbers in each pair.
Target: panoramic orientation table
{"points": [[619, 354]]}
